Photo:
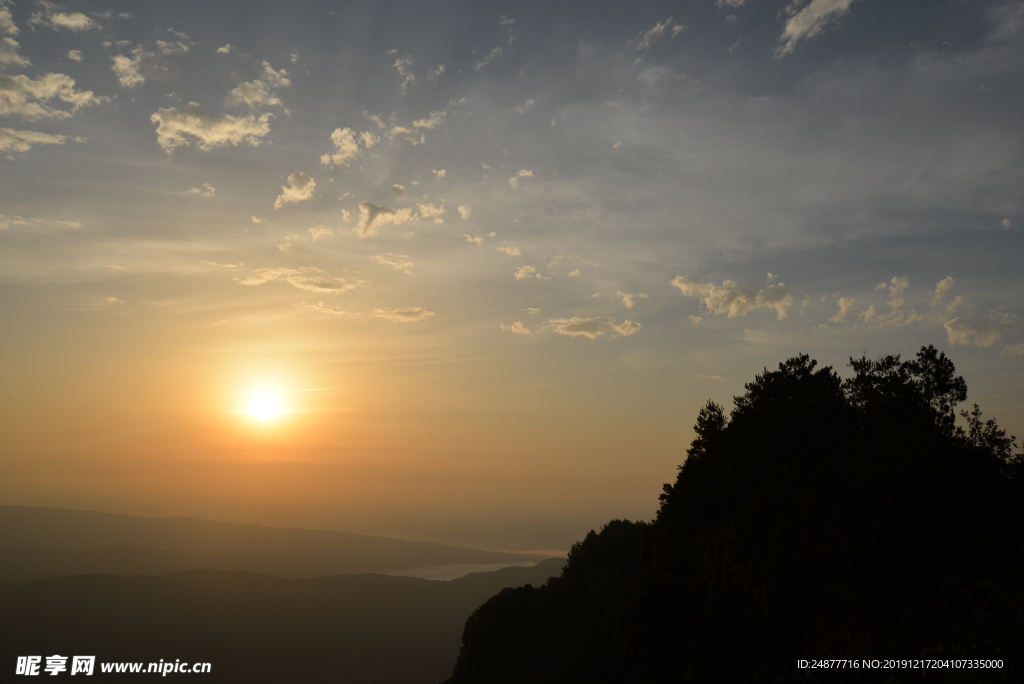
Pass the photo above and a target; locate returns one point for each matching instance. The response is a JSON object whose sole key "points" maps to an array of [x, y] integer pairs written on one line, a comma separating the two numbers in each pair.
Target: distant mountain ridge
{"points": [[171, 542], [357, 629], [20, 565]]}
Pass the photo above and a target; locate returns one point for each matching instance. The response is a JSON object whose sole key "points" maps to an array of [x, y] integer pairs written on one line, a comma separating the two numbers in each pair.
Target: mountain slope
{"points": [[255, 628]]}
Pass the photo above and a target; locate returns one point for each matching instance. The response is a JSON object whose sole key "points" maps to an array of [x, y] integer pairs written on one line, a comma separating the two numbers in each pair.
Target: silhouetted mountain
{"points": [[256, 628], [28, 565], [256, 547], [821, 519]]}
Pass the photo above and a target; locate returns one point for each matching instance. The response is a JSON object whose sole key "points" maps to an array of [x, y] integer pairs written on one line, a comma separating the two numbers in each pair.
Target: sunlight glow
{"points": [[265, 405]]}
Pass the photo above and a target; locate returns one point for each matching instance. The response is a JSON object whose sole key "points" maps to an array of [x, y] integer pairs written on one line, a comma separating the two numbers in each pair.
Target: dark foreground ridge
{"points": [[357, 629], [822, 518], [47, 542]]}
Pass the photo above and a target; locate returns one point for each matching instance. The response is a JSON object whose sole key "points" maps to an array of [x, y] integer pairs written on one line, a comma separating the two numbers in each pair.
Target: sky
{"points": [[466, 271]]}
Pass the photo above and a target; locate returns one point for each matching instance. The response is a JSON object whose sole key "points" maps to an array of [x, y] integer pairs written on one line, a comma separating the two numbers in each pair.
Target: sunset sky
{"points": [[481, 262]]}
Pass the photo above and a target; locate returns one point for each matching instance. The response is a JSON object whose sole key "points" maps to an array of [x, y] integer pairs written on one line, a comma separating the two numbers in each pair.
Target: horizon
{"points": [[467, 273]]}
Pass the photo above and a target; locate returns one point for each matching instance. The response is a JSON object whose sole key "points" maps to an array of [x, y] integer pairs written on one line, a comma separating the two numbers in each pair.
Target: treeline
{"points": [[822, 518]]}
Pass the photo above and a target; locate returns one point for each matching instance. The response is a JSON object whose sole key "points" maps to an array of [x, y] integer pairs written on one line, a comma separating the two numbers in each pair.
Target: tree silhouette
{"points": [[822, 518]]}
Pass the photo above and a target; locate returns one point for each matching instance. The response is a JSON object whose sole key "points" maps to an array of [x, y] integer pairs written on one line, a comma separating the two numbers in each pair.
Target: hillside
{"points": [[357, 629]]}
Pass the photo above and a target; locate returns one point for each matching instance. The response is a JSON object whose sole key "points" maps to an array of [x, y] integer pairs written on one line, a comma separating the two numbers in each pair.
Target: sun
{"points": [[265, 405]]}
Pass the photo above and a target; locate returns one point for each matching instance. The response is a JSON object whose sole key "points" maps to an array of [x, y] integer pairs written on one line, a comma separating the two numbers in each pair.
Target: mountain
{"points": [[855, 520], [21, 565], [167, 544], [357, 629]]}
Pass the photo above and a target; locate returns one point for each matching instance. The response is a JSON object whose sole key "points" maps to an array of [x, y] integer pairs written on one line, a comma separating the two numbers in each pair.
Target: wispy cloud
{"points": [[206, 190], [408, 314], [592, 328], [523, 173], [399, 261], [516, 327], [809, 22]]}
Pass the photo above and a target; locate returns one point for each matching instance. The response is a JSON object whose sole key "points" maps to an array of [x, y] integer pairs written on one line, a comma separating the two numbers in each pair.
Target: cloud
{"points": [[206, 191], [397, 189], [525, 272], [896, 285], [75, 55], [320, 308], [9, 51], [733, 300], [511, 249], [346, 146], [432, 74], [896, 316], [1005, 223], [942, 288], [402, 65], [525, 107], [68, 21], [371, 216], [22, 141], [213, 263], [626, 297], [399, 261], [493, 54], [284, 245], [464, 211], [729, 3], [113, 300], [7, 25], [256, 220], [224, 49], [300, 187], [431, 211], [252, 93], [277, 79], [845, 304], [409, 314], [980, 332], [809, 22], [413, 136], [649, 37], [325, 285], [26, 97], [1016, 350], [516, 327], [439, 173], [317, 231], [532, 310], [523, 173], [175, 127], [312, 283], [265, 275], [592, 328], [477, 240], [144, 64], [69, 224], [575, 272]]}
